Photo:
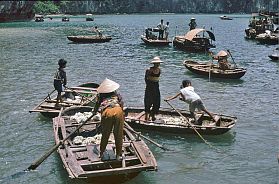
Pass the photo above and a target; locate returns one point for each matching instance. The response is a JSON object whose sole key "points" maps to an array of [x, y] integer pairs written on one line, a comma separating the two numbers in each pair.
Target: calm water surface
{"points": [[29, 52]]}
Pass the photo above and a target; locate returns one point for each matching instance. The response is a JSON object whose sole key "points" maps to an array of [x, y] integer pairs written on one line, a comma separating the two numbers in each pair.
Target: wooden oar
{"points": [[35, 164], [139, 134], [232, 58], [210, 145]]}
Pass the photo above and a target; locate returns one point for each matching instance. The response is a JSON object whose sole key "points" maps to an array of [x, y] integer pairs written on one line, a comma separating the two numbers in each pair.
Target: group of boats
{"points": [[77, 134], [41, 18], [261, 28]]}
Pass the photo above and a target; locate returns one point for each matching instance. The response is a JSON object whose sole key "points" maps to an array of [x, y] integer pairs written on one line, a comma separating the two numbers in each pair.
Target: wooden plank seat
{"points": [[65, 101]]}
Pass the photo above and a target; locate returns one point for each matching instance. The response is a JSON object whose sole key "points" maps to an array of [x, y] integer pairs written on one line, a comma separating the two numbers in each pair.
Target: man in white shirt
{"points": [[161, 27], [188, 95]]}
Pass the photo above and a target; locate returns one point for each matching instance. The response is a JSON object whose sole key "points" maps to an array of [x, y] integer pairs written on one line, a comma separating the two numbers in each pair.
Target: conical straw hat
{"points": [[107, 86], [222, 53], [156, 60]]}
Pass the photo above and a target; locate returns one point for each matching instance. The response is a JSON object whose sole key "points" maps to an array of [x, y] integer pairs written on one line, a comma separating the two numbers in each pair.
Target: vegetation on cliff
{"points": [[155, 6]]}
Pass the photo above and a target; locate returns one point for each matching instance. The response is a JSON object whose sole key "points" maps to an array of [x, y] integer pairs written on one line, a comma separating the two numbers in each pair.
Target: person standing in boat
{"points": [[152, 97], [161, 27], [97, 31], [167, 30], [60, 79], [110, 104], [189, 96], [192, 24]]}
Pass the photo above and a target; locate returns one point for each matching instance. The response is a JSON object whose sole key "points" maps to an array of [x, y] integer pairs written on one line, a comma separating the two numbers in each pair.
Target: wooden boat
{"points": [[257, 26], [155, 42], [80, 153], [274, 57], [224, 17], [195, 41], [267, 38], [89, 39], [170, 121], [215, 72], [83, 94], [151, 39], [39, 18], [65, 19]]}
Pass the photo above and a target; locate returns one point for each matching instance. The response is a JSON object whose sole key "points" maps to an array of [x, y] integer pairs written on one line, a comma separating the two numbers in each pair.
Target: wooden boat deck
{"points": [[75, 96], [170, 121], [83, 161]]}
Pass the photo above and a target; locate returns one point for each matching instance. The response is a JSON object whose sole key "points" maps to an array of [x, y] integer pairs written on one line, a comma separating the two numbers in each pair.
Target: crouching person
{"points": [[188, 95]]}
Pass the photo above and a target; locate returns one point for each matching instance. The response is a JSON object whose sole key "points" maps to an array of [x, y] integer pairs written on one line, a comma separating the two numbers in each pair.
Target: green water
{"points": [[29, 52]]}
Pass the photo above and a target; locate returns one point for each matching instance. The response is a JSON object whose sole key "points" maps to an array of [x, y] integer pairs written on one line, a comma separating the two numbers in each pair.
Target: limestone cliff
{"points": [[16, 11], [174, 6]]}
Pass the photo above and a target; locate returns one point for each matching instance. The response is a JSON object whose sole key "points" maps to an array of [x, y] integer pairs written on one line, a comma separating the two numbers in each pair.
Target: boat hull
{"points": [[89, 39], [204, 69], [82, 161], [274, 57], [48, 109], [191, 46], [160, 125], [155, 42]]}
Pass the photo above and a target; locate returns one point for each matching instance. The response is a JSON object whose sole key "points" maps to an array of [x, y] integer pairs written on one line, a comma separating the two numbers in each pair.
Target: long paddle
{"points": [[232, 58], [139, 134], [210, 145], [36, 163]]}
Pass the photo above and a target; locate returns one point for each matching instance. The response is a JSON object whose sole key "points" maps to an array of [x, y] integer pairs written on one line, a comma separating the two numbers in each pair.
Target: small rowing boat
{"points": [[213, 70], [80, 153], [89, 39], [83, 94], [170, 121]]}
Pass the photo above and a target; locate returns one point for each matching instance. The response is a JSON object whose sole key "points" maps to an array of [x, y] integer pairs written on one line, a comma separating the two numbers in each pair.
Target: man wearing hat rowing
{"points": [[152, 97], [110, 103], [192, 24]]}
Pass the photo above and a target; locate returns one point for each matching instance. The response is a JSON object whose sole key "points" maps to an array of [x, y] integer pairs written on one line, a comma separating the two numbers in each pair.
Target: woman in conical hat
{"points": [[222, 58], [110, 104], [152, 97]]}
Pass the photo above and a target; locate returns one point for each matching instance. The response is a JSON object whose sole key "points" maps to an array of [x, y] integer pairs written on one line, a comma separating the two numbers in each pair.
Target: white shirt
{"points": [[189, 94]]}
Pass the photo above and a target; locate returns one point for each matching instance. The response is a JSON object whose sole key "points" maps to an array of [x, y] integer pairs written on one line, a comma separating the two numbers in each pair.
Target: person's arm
{"points": [[65, 79], [146, 75], [97, 104], [173, 97]]}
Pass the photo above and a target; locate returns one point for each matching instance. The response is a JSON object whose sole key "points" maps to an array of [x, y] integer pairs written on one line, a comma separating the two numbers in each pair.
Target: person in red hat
{"points": [[110, 104]]}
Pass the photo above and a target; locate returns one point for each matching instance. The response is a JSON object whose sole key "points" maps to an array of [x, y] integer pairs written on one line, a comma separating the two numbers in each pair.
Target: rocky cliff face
{"points": [[16, 10], [175, 6]]}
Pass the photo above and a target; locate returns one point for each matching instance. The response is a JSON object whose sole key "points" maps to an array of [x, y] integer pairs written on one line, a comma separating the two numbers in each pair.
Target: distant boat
{"points": [[224, 17], [65, 19], [268, 38], [89, 39], [39, 18], [275, 56], [89, 17]]}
